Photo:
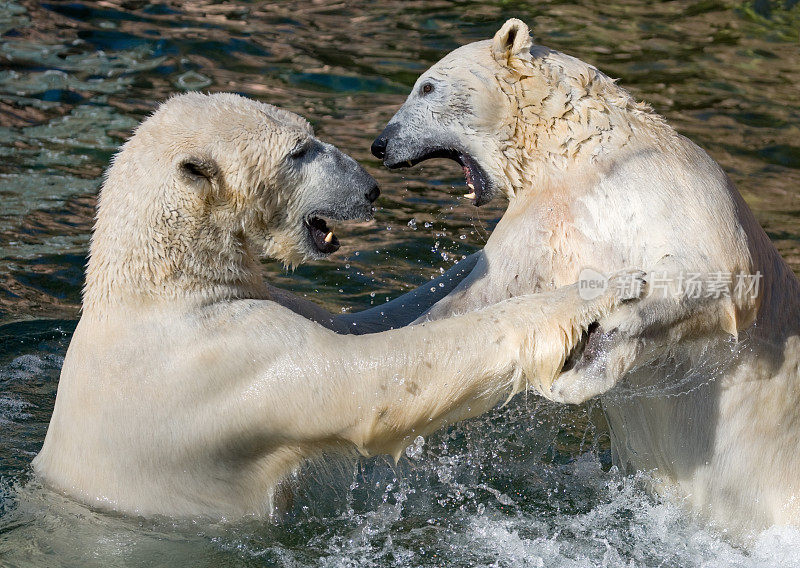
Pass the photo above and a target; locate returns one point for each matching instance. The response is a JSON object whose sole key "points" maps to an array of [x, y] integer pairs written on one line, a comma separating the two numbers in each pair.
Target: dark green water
{"points": [[527, 485]]}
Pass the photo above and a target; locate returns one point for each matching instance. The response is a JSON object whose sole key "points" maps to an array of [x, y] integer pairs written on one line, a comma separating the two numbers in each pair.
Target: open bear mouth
{"points": [[321, 235], [474, 175]]}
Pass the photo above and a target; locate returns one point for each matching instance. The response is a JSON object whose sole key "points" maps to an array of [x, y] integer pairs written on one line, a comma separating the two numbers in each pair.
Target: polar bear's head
{"points": [[210, 182], [507, 111], [263, 166]]}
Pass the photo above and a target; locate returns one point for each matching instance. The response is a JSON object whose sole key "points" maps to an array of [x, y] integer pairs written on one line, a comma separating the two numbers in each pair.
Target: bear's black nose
{"points": [[379, 145], [373, 193]]}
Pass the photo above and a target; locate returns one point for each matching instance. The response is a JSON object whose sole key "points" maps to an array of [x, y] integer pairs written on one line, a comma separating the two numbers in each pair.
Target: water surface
{"points": [[526, 485]]}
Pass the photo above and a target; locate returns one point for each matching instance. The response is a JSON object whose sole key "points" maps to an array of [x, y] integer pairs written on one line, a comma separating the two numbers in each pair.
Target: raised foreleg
{"points": [[379, 391]]}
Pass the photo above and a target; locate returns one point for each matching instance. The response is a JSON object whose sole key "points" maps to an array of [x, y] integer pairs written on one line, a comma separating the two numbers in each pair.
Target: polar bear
{"points": [[699, 385], [190, 388]]}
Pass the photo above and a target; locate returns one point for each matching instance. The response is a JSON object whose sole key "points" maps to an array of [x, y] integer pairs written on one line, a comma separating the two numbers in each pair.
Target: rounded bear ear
{"points": [[512, 40], [198, 170]]}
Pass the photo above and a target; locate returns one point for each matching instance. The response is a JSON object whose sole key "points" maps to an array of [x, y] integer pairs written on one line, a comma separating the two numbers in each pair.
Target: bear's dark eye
{"points": [[427, 88]]}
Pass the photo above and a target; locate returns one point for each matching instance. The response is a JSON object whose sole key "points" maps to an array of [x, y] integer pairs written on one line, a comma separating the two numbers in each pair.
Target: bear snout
{"points": [[378, 147]]}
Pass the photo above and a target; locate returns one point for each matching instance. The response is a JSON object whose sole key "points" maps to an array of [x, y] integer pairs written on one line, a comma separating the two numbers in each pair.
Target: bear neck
{"points": [[165, 248], [571, 121]]}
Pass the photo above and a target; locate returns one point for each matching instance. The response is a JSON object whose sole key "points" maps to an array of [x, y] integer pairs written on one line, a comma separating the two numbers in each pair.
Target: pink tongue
{"points": [[467, 174]]}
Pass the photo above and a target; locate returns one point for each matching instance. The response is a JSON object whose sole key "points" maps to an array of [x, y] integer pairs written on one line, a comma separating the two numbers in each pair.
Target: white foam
{"points": [[12, 409], [29, 366]]}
